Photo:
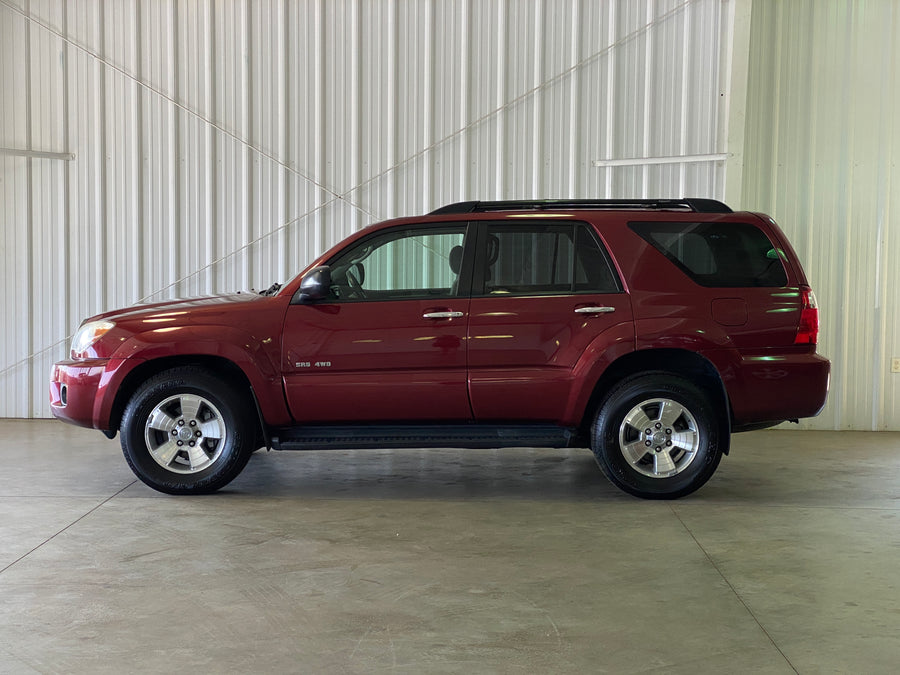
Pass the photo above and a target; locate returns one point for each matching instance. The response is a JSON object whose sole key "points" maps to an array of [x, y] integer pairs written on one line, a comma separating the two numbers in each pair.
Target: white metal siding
{"points": [[222, 145], [822, 141]]}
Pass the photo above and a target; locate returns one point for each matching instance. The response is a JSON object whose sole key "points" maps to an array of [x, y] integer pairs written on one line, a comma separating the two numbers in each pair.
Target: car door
{"points": [[542, 294], [389, 341]]}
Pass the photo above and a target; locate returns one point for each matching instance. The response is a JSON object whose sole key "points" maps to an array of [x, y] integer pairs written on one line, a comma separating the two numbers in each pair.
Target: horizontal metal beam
{"points": [[678, 159], [38, 154]]}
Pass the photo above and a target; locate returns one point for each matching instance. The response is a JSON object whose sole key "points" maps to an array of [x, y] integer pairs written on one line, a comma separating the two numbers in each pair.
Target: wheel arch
{"points": [[218, 365], [678, 362]]}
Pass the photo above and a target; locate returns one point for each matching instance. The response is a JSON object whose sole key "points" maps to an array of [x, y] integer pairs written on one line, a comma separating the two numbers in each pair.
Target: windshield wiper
{"points": [[271, 290]]}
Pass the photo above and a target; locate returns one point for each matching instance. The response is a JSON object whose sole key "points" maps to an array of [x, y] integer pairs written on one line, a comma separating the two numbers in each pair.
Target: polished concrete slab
{"points": [[450, 561]]}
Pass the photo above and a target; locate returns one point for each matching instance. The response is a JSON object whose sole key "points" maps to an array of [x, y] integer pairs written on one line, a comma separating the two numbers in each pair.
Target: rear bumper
{"points": [[777, 388], [78, 391]]}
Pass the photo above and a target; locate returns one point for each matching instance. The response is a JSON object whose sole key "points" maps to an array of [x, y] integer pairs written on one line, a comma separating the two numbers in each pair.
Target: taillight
{"points": [[808, 330]]}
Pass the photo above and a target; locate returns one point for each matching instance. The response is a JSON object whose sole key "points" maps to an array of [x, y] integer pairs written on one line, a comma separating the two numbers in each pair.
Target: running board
{"points": [[323, 437]]}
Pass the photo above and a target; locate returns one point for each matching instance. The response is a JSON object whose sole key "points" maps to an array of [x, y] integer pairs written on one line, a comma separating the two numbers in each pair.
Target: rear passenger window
{"points": [[730, 255], [558, 258]]}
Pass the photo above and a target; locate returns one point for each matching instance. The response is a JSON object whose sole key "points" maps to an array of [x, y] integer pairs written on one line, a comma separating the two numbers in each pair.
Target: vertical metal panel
{"points": [[15, 347], [222, 146], [823, 134]]}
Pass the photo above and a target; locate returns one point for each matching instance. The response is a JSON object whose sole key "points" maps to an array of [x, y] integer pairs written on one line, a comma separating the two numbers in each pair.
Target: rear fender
{"points": [[603, 351]]}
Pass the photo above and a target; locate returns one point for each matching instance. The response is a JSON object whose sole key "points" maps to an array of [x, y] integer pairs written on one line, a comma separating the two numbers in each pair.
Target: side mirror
{"points": [[315, 285]]}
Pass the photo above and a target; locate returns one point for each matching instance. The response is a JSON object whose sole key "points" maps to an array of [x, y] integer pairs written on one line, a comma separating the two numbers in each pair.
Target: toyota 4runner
{"points": [[647, 330]]}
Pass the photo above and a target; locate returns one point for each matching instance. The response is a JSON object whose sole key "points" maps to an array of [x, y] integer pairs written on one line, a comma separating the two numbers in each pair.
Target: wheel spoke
{"points": [[165, 453], [669, 412], [662, 463], [161, 421], [212, 429], [190, 405], [634, 452], [685, 440], [638, 419], [197, 457]]}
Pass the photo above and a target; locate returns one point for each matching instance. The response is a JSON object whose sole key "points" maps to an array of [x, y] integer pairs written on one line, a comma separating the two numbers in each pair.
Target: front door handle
{"points": [[442, 315], [593, 309]]}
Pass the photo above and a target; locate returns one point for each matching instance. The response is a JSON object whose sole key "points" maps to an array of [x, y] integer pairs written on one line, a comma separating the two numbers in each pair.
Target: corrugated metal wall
{"points": [[822, 142], [222, 145]]}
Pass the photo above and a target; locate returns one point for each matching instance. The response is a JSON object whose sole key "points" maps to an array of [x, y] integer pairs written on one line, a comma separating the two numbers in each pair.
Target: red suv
{"points": [[647, 330]]}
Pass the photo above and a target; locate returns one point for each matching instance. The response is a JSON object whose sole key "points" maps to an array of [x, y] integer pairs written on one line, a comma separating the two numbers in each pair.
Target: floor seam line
{"points": [[733, 589], [67, 527]]}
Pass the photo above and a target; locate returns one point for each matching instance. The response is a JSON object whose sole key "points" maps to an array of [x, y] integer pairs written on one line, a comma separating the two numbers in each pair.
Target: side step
{"points": [[322, 437]]}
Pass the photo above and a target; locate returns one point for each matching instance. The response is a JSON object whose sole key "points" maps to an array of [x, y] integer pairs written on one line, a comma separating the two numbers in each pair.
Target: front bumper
{"points": [[77, 391]]}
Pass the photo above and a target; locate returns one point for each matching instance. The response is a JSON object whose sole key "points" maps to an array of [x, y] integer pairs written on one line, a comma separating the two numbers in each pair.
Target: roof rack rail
{"points": [[686, 204]]}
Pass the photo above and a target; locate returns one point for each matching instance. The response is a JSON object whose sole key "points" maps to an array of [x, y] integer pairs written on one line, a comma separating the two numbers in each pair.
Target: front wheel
{"points": [[187, 431], [657, 436]]}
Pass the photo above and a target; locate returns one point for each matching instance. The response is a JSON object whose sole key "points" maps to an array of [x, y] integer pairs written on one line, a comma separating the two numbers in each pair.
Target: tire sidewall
{"points": [[621, 400], [234, 454]]}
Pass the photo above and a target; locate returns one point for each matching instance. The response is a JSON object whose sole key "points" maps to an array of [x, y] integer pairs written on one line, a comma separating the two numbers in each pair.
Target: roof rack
{"points": [[686, 204]]}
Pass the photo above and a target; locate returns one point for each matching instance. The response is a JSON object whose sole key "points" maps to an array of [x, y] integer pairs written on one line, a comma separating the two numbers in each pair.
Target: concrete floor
{"points": [[450, 561]]}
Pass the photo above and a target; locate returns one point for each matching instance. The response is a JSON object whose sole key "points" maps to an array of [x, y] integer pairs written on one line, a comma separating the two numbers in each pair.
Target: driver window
{"points": [[400, 265]]}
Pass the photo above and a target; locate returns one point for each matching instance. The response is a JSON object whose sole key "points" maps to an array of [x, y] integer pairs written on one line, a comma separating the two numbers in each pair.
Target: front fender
{"points": [[257, 358]]}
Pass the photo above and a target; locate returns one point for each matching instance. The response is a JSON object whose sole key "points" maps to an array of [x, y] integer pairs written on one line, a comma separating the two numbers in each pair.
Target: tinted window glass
{"points": [[718, 254], [397, 265], [544, 259]]}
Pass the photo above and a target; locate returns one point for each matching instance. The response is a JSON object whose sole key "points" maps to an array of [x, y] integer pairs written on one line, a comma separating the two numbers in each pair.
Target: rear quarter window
{"points": [[729, 255]]}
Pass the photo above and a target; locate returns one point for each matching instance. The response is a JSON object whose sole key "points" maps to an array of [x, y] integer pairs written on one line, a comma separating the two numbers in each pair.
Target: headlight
{"points": [[88, 334]]}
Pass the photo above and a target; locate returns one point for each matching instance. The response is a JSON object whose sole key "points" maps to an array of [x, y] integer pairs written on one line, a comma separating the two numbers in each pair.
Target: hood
{"points": [[171, 309]]}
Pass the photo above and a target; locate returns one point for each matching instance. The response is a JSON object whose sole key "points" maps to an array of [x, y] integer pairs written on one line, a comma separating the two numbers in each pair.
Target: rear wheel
{"points": [[187, 431], [657, 436]]}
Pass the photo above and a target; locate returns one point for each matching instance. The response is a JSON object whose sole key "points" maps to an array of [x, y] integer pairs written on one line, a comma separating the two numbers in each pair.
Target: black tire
{"points": [[187, 431], [680, 452]]}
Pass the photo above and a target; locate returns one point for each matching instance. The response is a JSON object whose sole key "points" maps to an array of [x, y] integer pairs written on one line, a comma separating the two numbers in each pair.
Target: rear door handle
{"points": [[442, 315], [593, 309]]}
